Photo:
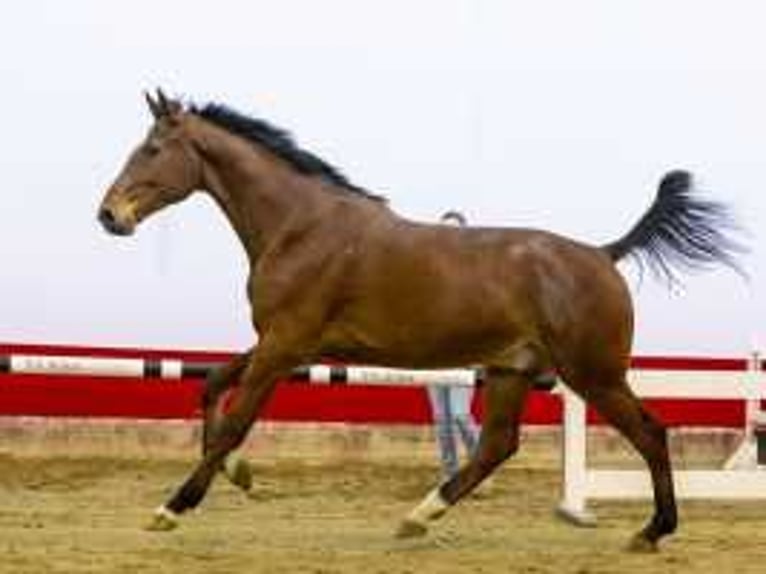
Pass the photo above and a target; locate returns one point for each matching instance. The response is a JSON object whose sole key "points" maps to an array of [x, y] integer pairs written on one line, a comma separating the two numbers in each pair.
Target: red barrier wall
{"points": [[157, 399]]}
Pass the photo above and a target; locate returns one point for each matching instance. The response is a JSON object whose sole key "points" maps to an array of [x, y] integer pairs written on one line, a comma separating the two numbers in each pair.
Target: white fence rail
{"points": [[581, 484]]}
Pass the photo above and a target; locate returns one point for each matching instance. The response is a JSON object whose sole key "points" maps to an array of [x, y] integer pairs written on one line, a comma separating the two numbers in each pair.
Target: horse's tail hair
{"points": [[680, 231]]}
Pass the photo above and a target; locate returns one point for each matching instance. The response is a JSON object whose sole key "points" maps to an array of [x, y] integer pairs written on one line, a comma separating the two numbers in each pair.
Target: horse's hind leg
{"points": [[623, 410], [504, 395]]}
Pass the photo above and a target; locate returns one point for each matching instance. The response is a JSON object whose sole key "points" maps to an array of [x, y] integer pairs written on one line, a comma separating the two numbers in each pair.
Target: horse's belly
{"points": [[405, 345]]}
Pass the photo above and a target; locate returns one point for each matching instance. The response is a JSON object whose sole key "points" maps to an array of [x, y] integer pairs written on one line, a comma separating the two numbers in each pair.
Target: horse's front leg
{"points": [[257, 382], [235, 468]]}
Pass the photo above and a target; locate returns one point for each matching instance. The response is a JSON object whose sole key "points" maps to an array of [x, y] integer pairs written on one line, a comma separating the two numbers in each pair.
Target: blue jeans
{"points": [[451, 408]]}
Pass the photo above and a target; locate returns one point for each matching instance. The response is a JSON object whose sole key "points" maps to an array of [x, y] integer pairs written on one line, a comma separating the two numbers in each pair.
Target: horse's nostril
{"points": [[106, 216]]}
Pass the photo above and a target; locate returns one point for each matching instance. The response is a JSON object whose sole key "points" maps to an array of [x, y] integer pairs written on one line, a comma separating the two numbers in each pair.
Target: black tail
{"points": [[679, 230]]}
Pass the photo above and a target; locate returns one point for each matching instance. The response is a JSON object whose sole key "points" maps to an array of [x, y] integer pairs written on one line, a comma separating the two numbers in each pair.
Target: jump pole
{"points": [[177, 369]]}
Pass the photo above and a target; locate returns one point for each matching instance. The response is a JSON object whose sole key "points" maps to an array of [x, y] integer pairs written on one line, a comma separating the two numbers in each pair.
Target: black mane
{"points": [[279, 142]]}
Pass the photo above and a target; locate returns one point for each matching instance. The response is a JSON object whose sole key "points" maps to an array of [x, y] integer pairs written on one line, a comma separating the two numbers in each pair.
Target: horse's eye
{"points": [[152, 149]]}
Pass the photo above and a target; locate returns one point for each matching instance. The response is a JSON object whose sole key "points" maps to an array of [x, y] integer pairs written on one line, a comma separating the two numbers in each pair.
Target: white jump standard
{"points": [[581, 484]]}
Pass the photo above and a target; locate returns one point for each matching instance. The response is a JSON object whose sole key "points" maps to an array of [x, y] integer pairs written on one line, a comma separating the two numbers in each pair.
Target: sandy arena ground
{"points": [[336, 514]]}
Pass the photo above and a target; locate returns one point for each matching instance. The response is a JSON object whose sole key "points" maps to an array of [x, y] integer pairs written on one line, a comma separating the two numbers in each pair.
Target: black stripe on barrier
{"points": [[338, 375], [152, 369], [5, 364]]}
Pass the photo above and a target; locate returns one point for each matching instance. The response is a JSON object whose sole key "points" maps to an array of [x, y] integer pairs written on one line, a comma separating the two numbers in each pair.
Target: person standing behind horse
{"points": [[451, 405]]}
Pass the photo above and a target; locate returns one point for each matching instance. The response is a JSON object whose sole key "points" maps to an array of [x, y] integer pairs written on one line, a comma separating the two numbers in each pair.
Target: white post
{"points": [[573, 506], [759, 415], [753, 404], [745, 456]]}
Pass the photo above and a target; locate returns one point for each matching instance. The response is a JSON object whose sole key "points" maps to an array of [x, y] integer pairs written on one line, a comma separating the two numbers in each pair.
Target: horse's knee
{"points": [[229, 434]]}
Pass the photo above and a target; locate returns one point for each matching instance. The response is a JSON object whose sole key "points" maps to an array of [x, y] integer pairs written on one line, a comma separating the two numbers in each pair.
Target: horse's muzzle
{"points": [[112, 224]]}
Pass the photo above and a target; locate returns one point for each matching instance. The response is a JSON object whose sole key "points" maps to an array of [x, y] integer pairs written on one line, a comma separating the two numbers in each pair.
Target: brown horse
{"points": [[336, 274]]}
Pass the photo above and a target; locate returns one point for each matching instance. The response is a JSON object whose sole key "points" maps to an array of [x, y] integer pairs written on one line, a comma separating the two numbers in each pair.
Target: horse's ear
{"points": [[162, 100], [154, 106], [169, 108]]}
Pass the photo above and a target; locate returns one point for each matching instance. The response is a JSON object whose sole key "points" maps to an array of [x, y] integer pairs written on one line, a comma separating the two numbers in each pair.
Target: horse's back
{"points": [[471, 292]]}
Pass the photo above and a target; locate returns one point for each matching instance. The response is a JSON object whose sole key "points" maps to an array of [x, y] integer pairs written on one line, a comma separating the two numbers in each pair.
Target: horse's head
{"points": [[164, 169]]}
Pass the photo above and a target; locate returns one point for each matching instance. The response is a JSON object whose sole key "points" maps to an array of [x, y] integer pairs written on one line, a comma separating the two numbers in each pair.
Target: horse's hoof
{"points": [[640, 544], [240, 474], [163, 520], [410, 529]]}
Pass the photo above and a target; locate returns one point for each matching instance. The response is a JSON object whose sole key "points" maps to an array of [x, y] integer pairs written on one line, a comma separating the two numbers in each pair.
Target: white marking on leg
{"points": [[164, 519], [433, 506]]}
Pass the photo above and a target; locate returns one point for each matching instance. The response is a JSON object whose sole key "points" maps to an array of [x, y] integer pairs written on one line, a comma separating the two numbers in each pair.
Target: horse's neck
{"points": [[255, 191]]}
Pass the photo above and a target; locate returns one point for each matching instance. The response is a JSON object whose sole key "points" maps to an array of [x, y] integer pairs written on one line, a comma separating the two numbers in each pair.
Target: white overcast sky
{"points": [[555, 114]]}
